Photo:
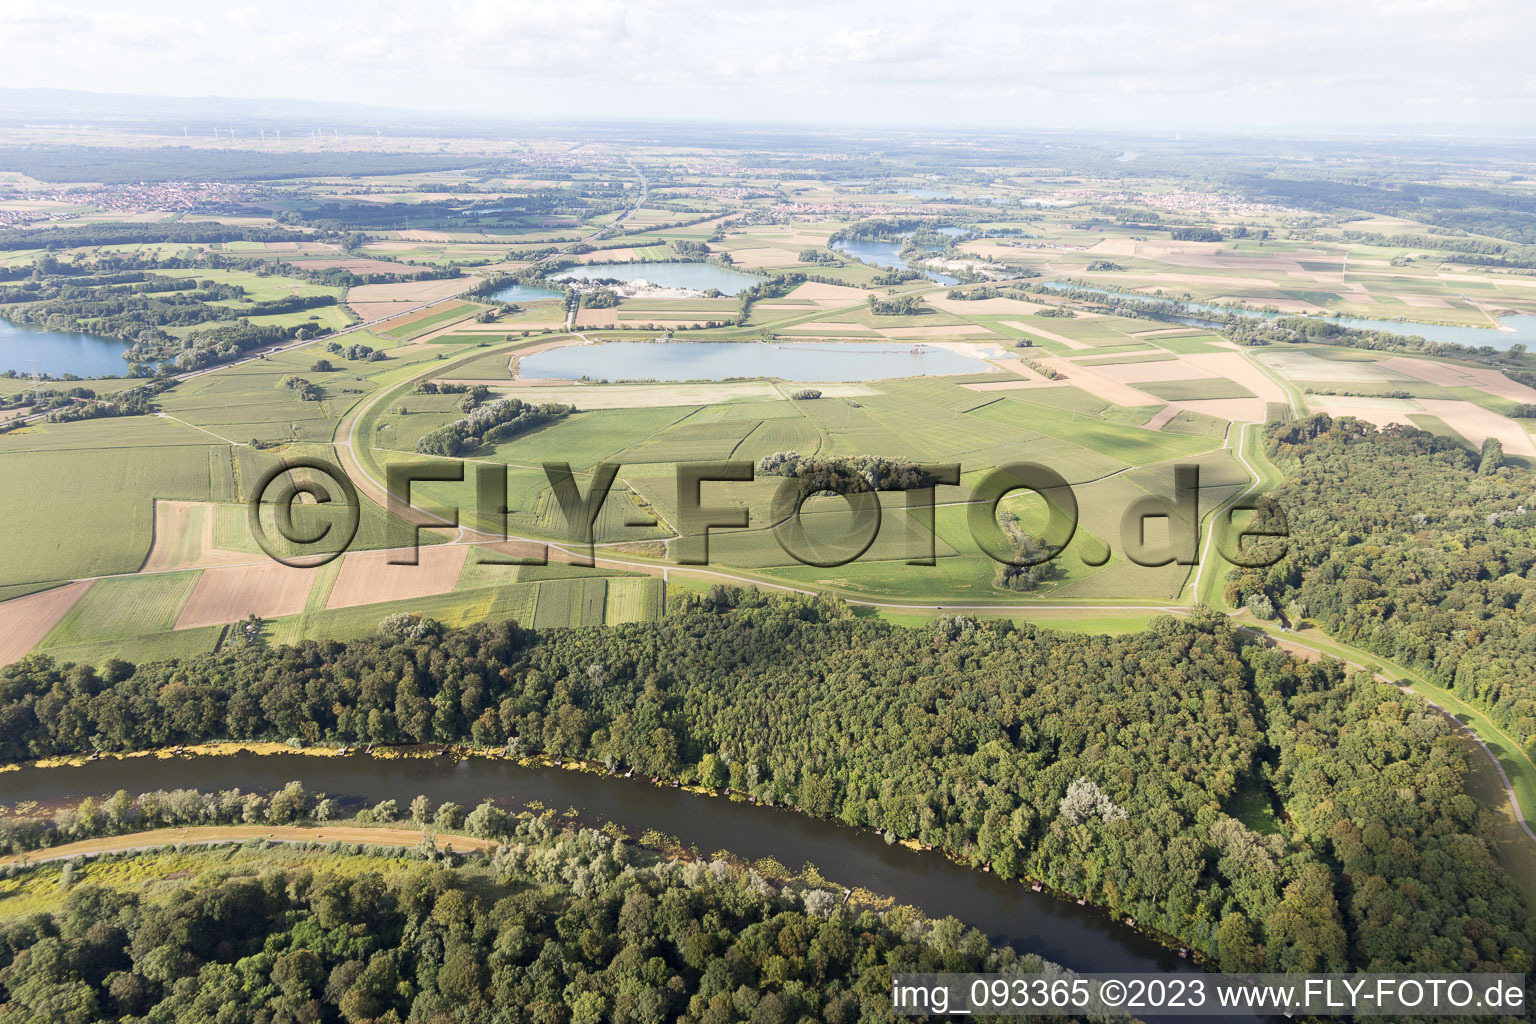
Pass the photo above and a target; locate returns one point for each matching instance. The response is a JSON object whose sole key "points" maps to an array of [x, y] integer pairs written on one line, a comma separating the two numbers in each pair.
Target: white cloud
{"points": [[1108, 62]]}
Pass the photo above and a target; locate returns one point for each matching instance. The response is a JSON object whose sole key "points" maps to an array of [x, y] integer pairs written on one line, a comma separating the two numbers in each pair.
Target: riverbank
{"points": [[211, 835], [454, 753], [662, 815]]}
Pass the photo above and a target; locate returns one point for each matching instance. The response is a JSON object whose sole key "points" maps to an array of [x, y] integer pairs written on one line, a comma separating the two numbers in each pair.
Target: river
{"points": [[1081, 938]]}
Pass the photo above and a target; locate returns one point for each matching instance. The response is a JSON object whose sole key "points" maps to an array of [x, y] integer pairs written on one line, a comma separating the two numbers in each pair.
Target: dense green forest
{"points": [[116, 166], [505, 213], [1502, 213], [1414, 547], [574, 928], [1134, 770], [139, 234]]}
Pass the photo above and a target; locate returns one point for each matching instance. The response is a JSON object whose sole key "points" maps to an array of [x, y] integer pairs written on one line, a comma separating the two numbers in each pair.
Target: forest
{"points": [[847, 474], [573, 927], [139, 234], [1265, 811], [117, 166], [1411, 546], [1508, 214], [1487, 253], [507, 213]]}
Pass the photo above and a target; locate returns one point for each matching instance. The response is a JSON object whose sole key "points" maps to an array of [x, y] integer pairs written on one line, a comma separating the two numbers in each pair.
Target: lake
{"points": [[888, 254], [800, 361], [520, 292], [699, 277], [1522, 326], [59, 352], [1081, 938]]}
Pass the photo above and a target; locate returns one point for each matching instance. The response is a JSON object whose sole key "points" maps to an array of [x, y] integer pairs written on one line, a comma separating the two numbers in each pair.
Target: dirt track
{"points": [[240, 833]]}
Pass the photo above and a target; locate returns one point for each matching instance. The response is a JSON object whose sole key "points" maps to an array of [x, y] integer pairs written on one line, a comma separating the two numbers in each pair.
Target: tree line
{"points": [[490, 424], [92, 235], [572, 927], [965, 735]]}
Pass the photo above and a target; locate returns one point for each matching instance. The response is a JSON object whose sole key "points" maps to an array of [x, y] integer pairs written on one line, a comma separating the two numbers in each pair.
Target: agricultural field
{"points": [[145, 540], [464, 496]]}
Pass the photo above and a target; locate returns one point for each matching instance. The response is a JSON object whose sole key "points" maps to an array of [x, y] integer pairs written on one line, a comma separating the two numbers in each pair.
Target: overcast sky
{"points": [[1011, 64]]}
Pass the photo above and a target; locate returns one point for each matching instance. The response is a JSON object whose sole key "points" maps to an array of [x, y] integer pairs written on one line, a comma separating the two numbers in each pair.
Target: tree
{"points": [[289, 803], [1084, 799], [449, 816], [1234, 944], [383, 811], [1261, 606], [1492, 457], [462, 976], [712, 772], [1295, 612], [487, 821]]}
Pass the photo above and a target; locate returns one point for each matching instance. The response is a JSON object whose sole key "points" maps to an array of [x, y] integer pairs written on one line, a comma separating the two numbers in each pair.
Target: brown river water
{"points": [[1080, 938]]}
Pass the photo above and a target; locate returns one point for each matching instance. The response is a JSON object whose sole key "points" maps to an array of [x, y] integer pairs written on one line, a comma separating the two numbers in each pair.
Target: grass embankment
{"points": [[1211, 579], [156, 874], [213, 834]]}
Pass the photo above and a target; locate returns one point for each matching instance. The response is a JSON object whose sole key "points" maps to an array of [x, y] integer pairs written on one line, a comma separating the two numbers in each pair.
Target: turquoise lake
{"points": [[696, 276], [523, 293], [1522, 327], [888, 254], [24, 349]]}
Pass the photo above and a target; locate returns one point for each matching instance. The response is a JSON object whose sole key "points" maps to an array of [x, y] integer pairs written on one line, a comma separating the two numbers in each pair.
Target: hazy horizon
{"points": [[208, 108], [1191, 65]]}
